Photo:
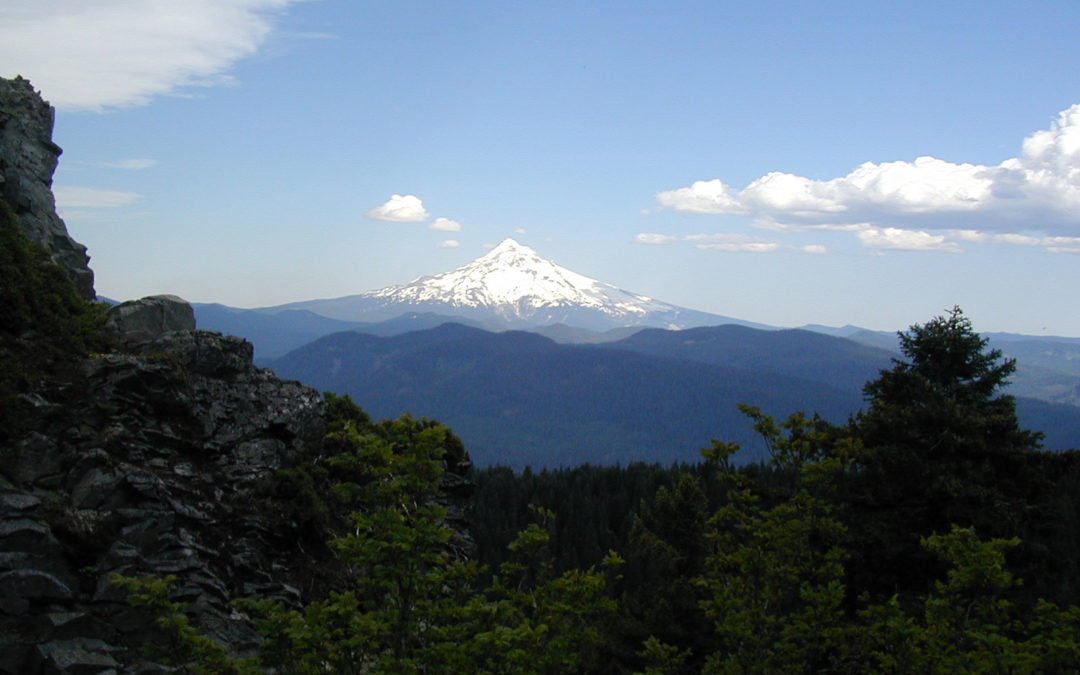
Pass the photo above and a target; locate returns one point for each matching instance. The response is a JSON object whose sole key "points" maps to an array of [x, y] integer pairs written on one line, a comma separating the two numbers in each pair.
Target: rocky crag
{"points": [[28, 158], [160, 457]]}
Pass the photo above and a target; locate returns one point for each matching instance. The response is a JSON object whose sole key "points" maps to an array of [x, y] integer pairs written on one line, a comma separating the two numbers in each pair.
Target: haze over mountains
{"points": [[602, 375]]}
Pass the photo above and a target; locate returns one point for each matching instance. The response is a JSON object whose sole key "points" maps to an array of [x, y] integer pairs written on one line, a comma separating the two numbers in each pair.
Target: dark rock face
{"points": [[28, 158], [142, 320], [148, 462]]}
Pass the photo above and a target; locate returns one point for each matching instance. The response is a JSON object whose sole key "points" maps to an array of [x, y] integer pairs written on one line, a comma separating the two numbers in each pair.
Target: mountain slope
{"points": [[275, 334], [839, 363], [520, 399]]}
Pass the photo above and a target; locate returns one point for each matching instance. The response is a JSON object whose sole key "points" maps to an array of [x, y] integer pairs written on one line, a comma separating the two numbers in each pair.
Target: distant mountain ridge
{"points": [[518, 398], [513, 288]]}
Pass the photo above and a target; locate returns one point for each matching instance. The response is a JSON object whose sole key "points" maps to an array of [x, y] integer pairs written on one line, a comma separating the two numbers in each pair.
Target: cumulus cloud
{"points": [[100, 54], [445, 225], [449, 243], [1038, 189], [83, 197], [400, 209], [653, 238]]}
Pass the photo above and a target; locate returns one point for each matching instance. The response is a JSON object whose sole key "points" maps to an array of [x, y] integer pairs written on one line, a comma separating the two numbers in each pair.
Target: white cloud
{"points": [[1039, 188], [1055, 244], [733, 242], [653, 238], [520, 230], [703, 196], [449, 243], [896, 239], [816, 249], [400, 209], [70, 196], [445, 225], [100, 54]]}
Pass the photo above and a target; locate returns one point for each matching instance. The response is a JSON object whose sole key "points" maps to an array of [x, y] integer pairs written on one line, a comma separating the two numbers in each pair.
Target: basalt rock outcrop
{"points": [[148, 462], [160, 457], [145, 319], [157, 461], [28, 158]]}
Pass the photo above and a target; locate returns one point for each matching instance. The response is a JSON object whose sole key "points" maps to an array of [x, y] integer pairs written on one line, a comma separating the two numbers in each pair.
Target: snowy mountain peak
{"points": [[512, 286], [509, 246], [516, 283]]}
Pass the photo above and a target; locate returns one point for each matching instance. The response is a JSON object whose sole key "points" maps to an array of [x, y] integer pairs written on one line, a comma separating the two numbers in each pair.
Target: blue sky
{"points": [[871, 163]]}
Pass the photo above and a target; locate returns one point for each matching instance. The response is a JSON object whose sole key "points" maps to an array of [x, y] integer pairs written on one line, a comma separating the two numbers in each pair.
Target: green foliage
{"points": [[967, 625], [531, 620], [945, 396], [44, 320], [184, 645], [668, 542], [594, 509], [942, 446], [663, 659], [775, 574], [401, 611]]}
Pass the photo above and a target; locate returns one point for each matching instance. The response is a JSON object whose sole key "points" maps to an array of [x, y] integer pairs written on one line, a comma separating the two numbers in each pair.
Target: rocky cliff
{"points": [[28, 158], [159, 457]]}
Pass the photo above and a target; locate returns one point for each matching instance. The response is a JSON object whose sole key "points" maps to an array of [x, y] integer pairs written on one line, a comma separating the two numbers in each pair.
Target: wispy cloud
{"points": [[100, 54], [400, 209], [1055, 244], [71, 196], [731, 242], [445, 225], [132, 164], [895, 204], [891, 238], [654, 238], [449, 243], [734, 243]]}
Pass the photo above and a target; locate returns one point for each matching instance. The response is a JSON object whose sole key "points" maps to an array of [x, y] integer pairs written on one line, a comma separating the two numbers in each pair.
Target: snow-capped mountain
{"points": [[513, 281], [513, 286]]}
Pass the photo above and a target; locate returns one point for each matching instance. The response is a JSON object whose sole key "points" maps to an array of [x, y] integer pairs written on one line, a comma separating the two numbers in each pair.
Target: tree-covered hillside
{"points": [[519, 399], [928, 534]]}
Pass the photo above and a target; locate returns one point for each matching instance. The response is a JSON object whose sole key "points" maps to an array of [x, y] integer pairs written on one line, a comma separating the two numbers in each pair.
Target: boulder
{"points": [[146, 319]]}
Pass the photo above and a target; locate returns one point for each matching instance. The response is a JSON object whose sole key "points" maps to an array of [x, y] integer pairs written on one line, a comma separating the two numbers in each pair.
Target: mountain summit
{"points": [[513, 286], [515, 283]]}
